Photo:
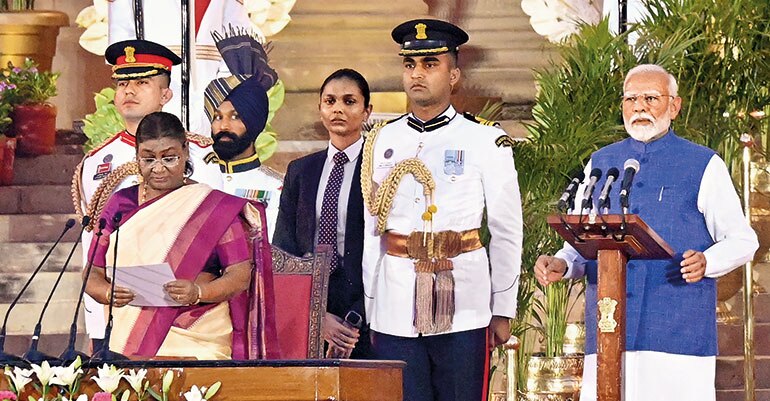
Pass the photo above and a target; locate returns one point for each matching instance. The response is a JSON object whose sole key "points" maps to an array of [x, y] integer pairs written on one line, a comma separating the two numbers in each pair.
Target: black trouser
{"points": [[444, 367]]}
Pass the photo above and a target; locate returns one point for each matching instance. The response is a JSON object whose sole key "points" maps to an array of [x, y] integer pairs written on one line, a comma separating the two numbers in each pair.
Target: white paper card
{"points": [[146, 282]]}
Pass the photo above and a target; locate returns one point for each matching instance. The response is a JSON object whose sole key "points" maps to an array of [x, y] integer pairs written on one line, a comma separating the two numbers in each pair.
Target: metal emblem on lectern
{"points": [[607, 323]]}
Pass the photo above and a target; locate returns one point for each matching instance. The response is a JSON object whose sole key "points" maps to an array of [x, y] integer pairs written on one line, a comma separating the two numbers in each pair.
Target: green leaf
{"points": [[154, 394], [212, 391], [275, 96]]}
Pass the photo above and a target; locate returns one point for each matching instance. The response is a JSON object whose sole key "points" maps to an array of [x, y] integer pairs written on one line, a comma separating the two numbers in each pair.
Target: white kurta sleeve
{"points": [[504, 220], [575, 262], [735, 240]]}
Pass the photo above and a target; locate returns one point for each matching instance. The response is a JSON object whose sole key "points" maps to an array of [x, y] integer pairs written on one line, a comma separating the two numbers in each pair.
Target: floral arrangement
{"points": [[63, 383], [26, 84], [268, 17]]}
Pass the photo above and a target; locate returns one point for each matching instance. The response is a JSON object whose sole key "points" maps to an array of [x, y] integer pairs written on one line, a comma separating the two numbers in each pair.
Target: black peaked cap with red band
{"points": [[133, 59], [423, 37]]}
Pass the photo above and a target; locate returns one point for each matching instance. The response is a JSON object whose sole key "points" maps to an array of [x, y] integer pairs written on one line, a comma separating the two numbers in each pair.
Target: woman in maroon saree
{"points": [[216, 245]]}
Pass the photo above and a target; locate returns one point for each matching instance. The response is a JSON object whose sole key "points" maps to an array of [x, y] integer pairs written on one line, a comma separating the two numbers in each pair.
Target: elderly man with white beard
{"points": [[684, 192]]}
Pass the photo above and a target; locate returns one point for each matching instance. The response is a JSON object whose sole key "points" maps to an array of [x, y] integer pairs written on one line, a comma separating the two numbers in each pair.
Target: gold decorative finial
{"points": [[421, 31], [130, 54]]}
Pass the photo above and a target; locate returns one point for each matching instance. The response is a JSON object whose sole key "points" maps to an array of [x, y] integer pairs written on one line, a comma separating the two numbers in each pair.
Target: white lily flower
{"points": [[168, 378], [135, 379], [108, 378], [558, 19], [66, 375], [195, 394], [20, 377], [44, 372]]}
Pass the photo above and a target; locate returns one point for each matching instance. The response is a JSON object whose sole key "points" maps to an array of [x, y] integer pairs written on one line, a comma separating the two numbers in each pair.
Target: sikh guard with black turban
{"points": [[238, 107]]}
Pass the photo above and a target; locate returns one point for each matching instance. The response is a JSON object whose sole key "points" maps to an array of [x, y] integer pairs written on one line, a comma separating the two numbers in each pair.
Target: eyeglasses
{"points": [[649, 99], [166, 161]]}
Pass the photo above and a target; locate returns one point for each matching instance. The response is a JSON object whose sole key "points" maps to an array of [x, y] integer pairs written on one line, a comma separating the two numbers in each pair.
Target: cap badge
{"points": [[421, 31], [130, 54]]}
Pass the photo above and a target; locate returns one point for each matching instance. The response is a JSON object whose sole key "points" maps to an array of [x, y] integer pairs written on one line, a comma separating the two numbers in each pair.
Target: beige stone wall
{"points": [[326, 35], [82, 73]]}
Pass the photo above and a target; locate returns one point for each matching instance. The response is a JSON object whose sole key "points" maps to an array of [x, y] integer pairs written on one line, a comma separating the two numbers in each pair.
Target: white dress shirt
{"points": [[353, 152]]}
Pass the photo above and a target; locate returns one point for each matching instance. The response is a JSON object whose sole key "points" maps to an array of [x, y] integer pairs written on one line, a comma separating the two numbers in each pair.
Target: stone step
{"points": [[761, 306], [50, 343], [34, 199], [23, 258], [731, 339], [36, 227], [37, 292], [57, 318], [730, 372], [48, 169], [737, 395]]}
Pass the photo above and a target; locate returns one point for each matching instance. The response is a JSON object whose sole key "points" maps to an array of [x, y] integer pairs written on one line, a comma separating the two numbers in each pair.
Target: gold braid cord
{"points": [[105, 189], [76, 190], [380, 201]]}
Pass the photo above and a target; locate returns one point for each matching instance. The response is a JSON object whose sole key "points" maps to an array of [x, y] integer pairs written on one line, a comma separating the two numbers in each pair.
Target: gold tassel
{"points": [[423, 296], [444, 295]]}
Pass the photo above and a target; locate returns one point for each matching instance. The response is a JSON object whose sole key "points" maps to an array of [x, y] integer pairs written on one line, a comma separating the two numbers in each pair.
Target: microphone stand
{"points": [[70, 354], [33, 355], [10, 358], [105, 354]]}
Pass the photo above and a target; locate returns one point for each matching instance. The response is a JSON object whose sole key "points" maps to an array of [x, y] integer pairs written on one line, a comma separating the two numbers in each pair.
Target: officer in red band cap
{"points": [[142, 72]]}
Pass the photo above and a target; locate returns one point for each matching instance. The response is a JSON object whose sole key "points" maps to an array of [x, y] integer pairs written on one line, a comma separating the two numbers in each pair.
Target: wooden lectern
{"points": [[612, 241], [265, 380]]}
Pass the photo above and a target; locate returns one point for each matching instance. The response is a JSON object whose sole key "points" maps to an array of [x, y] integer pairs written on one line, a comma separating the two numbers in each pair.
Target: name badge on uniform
{"points": [[454, 162], [253, 194], [102, 170]]}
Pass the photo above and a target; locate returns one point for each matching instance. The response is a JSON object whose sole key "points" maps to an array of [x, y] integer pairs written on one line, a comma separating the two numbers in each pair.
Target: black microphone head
{"points": [[86, 221], [102, 223], [631, 164], [580, 175], [613, 172], [117, 217], [69, 224], [596, 172]]}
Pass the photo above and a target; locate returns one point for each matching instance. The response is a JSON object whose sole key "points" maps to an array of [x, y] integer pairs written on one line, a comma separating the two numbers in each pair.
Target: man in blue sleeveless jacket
{"points": [[684, 192]]}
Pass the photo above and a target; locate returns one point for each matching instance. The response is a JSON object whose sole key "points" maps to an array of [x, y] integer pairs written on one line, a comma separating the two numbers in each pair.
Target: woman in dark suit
{"points": [[321, 203]]}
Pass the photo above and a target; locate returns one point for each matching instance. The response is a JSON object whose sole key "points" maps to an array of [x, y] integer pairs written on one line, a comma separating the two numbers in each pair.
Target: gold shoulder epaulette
{"points": [[478, 120], [505, 141], [372, 127], [271, 173], [211, 158], [200, 140]]}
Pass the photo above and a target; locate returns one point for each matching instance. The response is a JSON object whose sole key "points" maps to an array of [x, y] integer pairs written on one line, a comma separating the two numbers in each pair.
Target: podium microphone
{"points": [[70, 354], [588, 194], [567, 200], [631, 167], [604, 197], [4, 357], [105, 354], [33, 355]]}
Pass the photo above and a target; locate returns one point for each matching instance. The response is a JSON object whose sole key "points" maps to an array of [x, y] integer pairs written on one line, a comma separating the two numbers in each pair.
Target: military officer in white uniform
{"points": [[238, 107], [434, 297], [141, 70], [162, 24]]}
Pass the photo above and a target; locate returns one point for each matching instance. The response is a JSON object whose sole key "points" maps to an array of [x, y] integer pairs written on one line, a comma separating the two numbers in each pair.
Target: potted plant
{"points": [[34, 119], [7, 142], [26, 33]]}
